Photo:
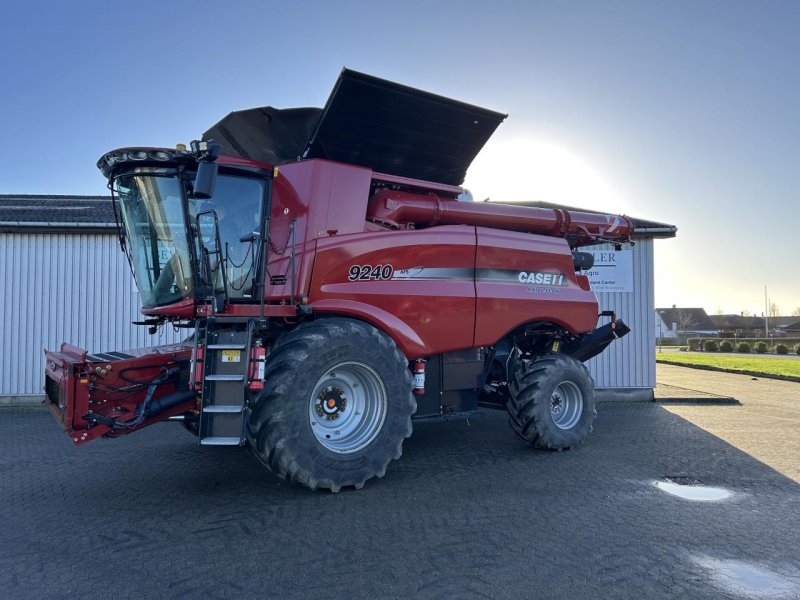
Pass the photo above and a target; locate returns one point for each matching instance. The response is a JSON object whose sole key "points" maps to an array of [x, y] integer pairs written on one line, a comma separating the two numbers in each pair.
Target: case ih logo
{"points": [[535, 277]]}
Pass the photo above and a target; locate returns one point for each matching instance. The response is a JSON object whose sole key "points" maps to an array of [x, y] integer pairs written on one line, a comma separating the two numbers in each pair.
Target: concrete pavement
{"points": [[766, 425], [468, 512]]}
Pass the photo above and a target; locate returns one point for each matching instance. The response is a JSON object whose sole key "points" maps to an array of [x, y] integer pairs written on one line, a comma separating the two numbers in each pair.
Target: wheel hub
{"points": [[347, 407], [331, 403], [566, 405]]}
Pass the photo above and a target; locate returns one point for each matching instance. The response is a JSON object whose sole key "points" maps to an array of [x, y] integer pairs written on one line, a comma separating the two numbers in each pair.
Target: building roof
{"points": [[688, 319], [784, 322], [791, 326], [32, 213], [732, 322], [641, 227]]}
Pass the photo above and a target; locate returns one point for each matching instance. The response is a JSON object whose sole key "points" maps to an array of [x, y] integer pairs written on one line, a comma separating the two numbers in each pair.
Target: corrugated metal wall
{"points": [[630, 362], [78, 288], [64, 287]]}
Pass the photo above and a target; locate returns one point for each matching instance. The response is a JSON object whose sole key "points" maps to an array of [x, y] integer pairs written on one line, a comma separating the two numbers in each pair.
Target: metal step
{"points": [[222, 408], [224, 377], [226, 346], [220, 441], [223, 424]]}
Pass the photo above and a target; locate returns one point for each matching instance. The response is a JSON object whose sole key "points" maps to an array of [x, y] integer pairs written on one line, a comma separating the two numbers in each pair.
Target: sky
{"points": [[682, 112]]}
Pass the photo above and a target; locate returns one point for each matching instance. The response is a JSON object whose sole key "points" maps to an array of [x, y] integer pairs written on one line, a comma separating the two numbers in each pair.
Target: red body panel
{"points": [[323, 199], [451, 287], [504, 303], [326, 198], [427, 304]]}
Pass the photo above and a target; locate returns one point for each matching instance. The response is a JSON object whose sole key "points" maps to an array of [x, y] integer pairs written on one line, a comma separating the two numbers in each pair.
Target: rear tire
{"points": [[551, 402], [336, 405]]}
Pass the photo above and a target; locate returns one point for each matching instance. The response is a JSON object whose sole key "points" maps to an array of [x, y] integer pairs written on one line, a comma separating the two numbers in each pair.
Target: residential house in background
{"points": [[676, 324], [791, 329], [739, 326]]}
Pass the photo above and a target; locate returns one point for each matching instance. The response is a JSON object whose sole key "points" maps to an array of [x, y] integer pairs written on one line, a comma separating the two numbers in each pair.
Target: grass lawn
{"points": [[786, 367]]}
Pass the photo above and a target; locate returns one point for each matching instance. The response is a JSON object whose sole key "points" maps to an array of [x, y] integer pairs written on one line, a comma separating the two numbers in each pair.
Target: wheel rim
{"points": [[566, 405], [347, 407]]}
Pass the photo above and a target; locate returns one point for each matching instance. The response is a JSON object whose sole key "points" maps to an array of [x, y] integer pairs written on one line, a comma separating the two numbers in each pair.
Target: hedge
{"points": [[696, 344]]}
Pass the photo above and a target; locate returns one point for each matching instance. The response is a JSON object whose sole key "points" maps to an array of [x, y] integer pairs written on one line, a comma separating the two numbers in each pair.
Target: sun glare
{"points": [[525, 169]]}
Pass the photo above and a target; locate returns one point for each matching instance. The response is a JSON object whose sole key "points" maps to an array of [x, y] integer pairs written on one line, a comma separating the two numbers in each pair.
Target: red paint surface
{"points": [[424, 316], [504, 306]]}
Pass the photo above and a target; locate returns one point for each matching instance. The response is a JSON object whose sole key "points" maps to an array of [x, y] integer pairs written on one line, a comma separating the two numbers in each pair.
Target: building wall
{"points": [[630, 362], [65, 287], [78, 288]]}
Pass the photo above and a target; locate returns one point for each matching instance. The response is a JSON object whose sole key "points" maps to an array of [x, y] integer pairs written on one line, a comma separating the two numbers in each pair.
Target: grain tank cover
{"points": [[391, 128], [399, 130], [271, 135]]}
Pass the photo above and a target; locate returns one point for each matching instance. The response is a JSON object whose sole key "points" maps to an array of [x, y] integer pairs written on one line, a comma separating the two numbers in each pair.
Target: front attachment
{"points": [[109, 394]]}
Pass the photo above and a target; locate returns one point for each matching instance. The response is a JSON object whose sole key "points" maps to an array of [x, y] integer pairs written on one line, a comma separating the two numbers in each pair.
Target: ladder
{"points": [[225, 370]]}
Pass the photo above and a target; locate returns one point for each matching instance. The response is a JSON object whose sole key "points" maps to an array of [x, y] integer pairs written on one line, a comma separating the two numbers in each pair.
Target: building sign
{"points": [[612, 271]]}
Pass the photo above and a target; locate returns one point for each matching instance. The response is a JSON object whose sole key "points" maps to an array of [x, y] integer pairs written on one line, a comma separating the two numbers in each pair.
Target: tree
{"points": [[684, 320], [796, 312], [747, 313], [774, 311]]}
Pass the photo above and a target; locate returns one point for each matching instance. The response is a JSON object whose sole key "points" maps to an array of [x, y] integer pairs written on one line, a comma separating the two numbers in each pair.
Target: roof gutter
{"points": [[53, 226]]}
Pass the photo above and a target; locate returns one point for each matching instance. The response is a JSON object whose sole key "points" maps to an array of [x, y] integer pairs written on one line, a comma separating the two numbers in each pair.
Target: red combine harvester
{"points": [[342, 294]]}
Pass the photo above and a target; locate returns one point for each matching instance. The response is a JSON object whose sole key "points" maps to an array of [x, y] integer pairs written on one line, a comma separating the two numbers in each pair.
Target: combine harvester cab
{"points": [[338, 287]]}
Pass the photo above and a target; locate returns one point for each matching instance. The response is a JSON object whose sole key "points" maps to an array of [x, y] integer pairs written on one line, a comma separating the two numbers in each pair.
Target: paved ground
{"points": [[469, 512], [766, 425]]}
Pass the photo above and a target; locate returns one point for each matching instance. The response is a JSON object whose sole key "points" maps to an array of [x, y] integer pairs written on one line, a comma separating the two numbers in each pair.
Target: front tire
{"points": [[551, 402], [336, 405]]}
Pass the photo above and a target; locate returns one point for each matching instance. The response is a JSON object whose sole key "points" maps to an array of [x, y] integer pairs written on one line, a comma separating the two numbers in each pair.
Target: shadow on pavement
{"points": [[469, 511]]}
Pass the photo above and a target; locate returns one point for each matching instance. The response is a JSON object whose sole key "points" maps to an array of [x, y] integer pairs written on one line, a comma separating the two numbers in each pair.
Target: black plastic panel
{"points": [[399, 130]]}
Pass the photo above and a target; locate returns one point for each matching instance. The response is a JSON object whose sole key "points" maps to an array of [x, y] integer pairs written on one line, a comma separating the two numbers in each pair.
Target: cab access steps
{"points": [[226, 359]]}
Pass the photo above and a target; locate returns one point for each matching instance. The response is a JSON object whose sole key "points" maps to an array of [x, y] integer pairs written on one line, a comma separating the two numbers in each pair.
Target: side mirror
{"points": [[205, 180], [205, 153]]}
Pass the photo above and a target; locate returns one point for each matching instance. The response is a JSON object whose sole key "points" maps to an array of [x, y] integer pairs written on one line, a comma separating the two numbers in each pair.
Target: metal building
{"points": [[65, 279], [627, 369]]}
